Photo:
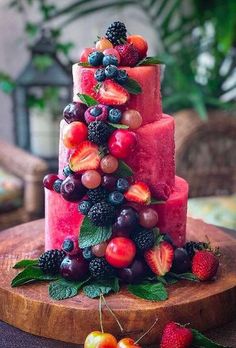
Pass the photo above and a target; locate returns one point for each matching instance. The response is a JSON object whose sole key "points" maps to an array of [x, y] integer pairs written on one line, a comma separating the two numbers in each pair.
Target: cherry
{"points": [[74, 133], [127, 343], [98, 339], [74, 267], [85, 53], [122, 143], [127, 218], [134, 272], [120, 252], [74, 112], [72, 189], [49, 180], [148, 218]]}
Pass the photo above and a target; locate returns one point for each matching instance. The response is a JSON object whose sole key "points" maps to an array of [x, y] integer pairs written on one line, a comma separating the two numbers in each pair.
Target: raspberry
{"points": [[128, 54], [50, 261]]}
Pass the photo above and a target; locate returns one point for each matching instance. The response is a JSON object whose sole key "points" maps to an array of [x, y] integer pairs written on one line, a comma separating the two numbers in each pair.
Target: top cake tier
{"points": [[148, 103]]}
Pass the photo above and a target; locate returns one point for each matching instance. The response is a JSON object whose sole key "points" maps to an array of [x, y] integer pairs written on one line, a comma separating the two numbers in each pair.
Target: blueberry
{"points": [[109, 59], [67, 171], [68, 245], [121, 76], [84, 207], [95, 58], [100, 75], [111, 71], [122, 185], [87, 253], [96, 111], [114, 115], [116, 198], [57, 185]]}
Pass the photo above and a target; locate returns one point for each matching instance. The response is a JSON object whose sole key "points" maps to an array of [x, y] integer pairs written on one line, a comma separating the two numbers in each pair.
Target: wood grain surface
{"points": [[203, 305]]}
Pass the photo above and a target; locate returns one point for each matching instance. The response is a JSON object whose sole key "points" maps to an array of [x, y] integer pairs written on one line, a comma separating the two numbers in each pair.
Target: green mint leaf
{"points": [[150, 61], [118, 125], [91, 235], [84, 64], [97, 87], [199, 340], [62, 289], [132, 86], [149, 291], [30, 274], [123, 170], [86, 99], [170, 280], [155, 201], [184, 276], [25, 263], [96, 288]]}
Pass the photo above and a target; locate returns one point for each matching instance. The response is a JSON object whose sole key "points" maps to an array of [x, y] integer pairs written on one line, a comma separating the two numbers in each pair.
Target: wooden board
{"points": [[203, 305]]}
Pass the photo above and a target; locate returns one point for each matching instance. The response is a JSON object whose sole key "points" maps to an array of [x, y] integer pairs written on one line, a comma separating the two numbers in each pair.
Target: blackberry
{"points": [[191, 247], [98, 132], [144, 239], [116, 33], [102, 214], [100, 268], [97, 195], [50, 261]]}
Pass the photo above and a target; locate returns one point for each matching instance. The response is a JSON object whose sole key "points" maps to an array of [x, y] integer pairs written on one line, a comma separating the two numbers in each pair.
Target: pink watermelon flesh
{"points": [[173, 213], [148, 103], [153, 161]]}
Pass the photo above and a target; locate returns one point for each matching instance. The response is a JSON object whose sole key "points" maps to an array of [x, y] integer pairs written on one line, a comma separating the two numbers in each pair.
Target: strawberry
{"points": [[85, 156], [160, 258], [140, 44], [138, 192], [205, 265], [129, 55], [176, 336], [111, 93]]}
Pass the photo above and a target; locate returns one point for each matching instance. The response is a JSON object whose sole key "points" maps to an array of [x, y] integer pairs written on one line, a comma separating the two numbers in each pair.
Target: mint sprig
{"points": [[86, 99], [31, 274], [62, 289], [104, 287], [184, 276], [155, 201], [150, 61], [123, 169], [118, 125], [132, 86], [149, 291], [25, 263], [199, 340], [91, 235], [85, 64]]}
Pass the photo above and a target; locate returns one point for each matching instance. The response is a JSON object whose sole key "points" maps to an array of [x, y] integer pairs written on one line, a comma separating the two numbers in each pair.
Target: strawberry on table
{"points": [[205, 265], [85, 157], [160, 258], [176, 336], [138, 192], [111, 93]]}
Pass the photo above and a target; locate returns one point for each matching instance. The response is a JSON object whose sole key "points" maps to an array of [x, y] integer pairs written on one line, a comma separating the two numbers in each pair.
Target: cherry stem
{"points": [[145, 333], [112, 313], [100, 313]]}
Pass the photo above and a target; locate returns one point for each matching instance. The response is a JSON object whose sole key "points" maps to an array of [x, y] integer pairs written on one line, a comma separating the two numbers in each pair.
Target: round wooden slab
{"points": [[203, 305]]}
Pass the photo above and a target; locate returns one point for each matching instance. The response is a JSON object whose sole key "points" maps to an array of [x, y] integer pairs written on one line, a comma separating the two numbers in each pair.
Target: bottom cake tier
{"points": [[62, 218]]}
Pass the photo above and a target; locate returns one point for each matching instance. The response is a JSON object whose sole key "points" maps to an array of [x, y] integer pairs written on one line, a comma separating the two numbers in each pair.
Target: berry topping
{"points": [[98, 194], [50, 261], [132, 119], [74, 133], [191, 247], [72, 189], [70, 245], [148, 217], [112, 93], [139, 193], [160, 258], [109, 164], [205, 265], [95, 58], [103, 44], [127, 218], [96, 113], [122, 143], [114, 115], [99, 249], [57, 185], [129, 55], [109, 182], [100, 75], [121, 76], [140, 44], [99, 268], [111, 52], [116, 33], [85, 53], [88, 254], [74, 112], [48, 181], [181, 262], [67, 171], [84, 207], [116, 198], [98, 132], [86, 156], [102, 214], [74, 267], [175, 335], [110, 60], [111, 71], [120, 252], [144, 239], [122, 184], [91, 179], [162, 191], [134, 273]]}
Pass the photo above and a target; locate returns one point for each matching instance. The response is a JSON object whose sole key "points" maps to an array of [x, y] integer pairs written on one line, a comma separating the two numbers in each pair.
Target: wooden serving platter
{"points": [[203, 305]]}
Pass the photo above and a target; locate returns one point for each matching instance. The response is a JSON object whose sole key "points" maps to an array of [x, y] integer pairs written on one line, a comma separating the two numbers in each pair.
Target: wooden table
{"points": [[12, 337]]}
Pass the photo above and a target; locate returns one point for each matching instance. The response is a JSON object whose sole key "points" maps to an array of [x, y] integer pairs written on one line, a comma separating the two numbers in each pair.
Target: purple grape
{"points": [[109, 182], [134, 273], [74, 268], [74, 112], [127, 218], [182, 262], [72, 189]]}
